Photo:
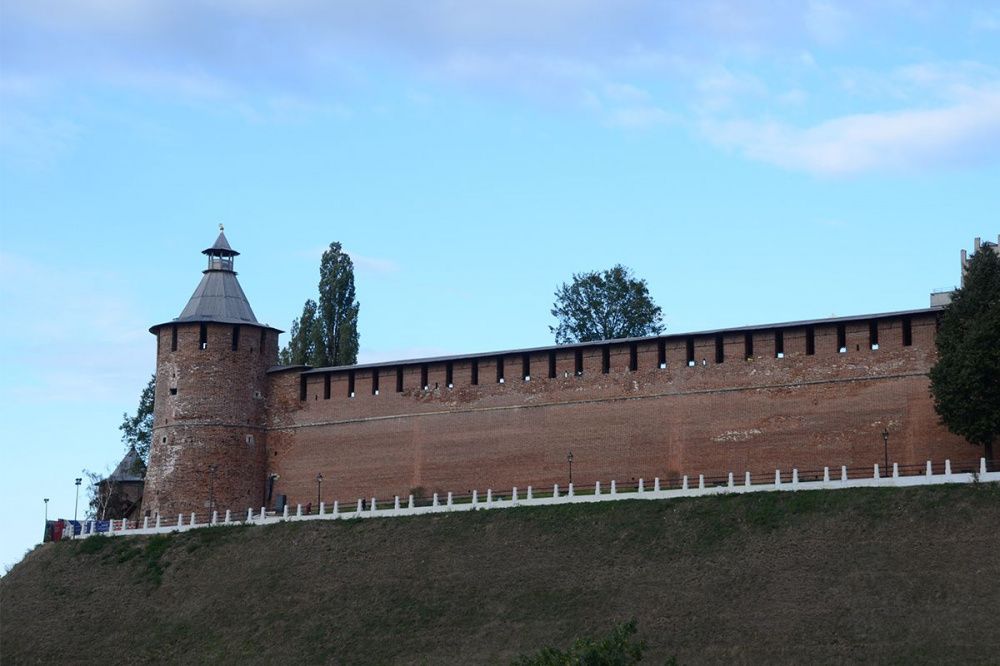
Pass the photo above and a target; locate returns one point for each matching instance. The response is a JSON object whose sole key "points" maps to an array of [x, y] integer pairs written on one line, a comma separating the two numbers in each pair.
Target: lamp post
{"points": [[319, 485], [76, 504], [46, 500], [211, 489], [569, 459], [885, 448]]}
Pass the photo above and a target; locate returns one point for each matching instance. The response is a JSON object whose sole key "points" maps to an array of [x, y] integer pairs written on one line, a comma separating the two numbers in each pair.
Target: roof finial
{"points": [[221, 228]]}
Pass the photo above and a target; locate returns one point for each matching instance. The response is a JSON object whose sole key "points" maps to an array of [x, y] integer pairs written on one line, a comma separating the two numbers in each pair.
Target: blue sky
{"points": [[755, 162]]}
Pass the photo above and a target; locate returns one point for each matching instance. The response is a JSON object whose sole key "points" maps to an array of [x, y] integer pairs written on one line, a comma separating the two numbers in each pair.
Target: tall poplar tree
{"points": [[965, 381], [327, 332]]}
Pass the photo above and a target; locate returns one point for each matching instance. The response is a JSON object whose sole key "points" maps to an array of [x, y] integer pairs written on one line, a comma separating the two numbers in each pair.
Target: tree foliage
{"points": [[965, 381], [604, 306], [327, 332], [616, 649], [137, 430]]}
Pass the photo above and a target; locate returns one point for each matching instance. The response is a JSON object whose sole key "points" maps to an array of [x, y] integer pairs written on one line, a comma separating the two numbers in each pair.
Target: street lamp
{"points": [[885, 448], [46, 500], [569, 459], [211, 488], [76, 504], [319, 485]]}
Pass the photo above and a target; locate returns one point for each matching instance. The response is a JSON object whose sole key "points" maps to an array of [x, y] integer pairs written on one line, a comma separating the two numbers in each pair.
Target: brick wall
{"points": [[209, 435], [753, 413]]}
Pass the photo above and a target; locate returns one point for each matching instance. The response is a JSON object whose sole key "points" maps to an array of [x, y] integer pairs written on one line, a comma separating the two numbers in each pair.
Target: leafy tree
{"points": [[301, 348], [604, 306], [327, 332], [616, 649], [965, 381], [137, 430]]}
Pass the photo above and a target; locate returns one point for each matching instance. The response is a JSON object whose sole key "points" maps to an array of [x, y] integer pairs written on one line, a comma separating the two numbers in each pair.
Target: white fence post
{"points": [[795, 476], [145, 522], [489, 497], [777, 477], [982, 466], [930, 469], [597, 488], [746, 481], [730, 479], [475, 497], [395, 504], [157, 523], [180, 519], [555, 490], [614, 487], [895, 470], [434, 500], [569, 490], [513, 494], [229, 516], [284, 514], [529, 492], [876, 471], [322, 508], [451, 497], [215, 517], [642, 487], [373, 505], [336, 508], [826, 475], [111, 527], [656, 484], [298, 510], [947, 467], [409, 503], [701, 482], [263, 514], [249, 514], [193, 521], [357, 512], [684, 483]]}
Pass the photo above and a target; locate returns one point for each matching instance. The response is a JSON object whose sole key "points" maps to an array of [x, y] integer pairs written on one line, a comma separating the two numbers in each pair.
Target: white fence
{"points": [[689, 487]]}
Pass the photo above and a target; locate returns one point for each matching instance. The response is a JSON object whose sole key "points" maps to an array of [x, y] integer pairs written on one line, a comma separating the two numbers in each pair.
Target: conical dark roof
{"points": [[221, 246], [218, 298], [131, 468]]}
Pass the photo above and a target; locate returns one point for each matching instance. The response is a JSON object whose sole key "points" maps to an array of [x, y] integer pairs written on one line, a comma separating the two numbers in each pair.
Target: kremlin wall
{"points": [[233, 430]]}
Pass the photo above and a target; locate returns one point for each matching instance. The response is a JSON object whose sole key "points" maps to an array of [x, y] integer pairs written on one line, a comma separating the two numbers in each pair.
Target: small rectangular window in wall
{"points": [[236, 337], [841, 339], [375, 381], [873, 334], [779, 344], [399, 380], [633, 357], [661, 354], [173, 338], [302, 387], [203, 337], [526, 367], [810, 340], [499, 369], [907, 332], [720, 349], [423, 376], [552, 365], [748, 346], [350, 383], [474, 371], [689, 352], [578, 362], [449, 374], [606, 359], [326, 386]]}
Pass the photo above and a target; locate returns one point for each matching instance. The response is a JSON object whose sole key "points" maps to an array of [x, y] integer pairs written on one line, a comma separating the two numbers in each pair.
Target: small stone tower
{"points": [[208, 449]]}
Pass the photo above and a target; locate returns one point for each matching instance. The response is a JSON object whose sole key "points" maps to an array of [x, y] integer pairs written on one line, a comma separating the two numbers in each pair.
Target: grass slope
{"points": [[887, 576]]}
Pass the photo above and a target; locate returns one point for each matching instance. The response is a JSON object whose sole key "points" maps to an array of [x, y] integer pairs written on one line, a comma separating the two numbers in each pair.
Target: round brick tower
{"points": [[208, 449]]}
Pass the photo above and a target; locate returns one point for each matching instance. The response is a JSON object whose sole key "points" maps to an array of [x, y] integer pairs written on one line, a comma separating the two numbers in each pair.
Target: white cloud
{"points": [[901, 141]]}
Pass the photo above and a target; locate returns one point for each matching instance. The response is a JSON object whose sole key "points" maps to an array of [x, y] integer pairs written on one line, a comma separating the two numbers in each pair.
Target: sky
{"points": [[755, 162]]}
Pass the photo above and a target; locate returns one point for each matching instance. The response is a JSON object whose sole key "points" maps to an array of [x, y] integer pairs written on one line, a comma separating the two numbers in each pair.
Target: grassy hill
{"points": [[886, 576]]}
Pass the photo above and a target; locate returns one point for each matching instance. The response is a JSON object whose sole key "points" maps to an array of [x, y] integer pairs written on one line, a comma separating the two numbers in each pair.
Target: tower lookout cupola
{"points": [[220, 255]]}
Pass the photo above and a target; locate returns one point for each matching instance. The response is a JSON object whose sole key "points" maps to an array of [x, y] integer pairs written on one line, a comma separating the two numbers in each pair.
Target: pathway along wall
{"points": [[738, 408]]}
